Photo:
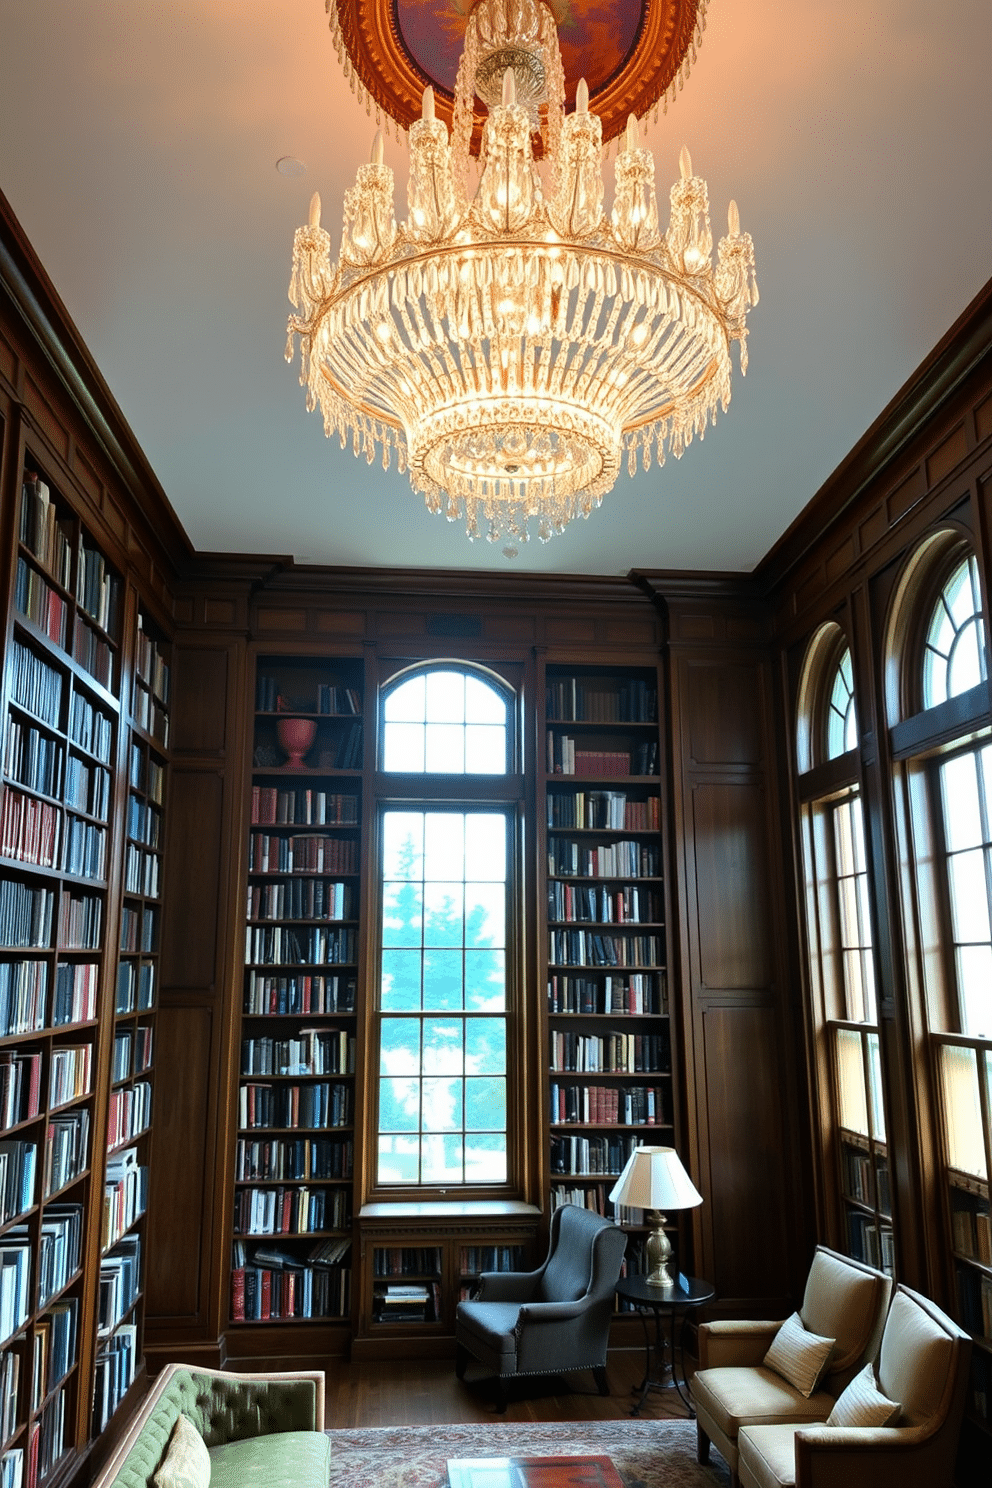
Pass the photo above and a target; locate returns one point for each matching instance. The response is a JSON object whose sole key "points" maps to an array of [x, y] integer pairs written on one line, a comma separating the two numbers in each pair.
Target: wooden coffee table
{"points": [[533, 1472]]}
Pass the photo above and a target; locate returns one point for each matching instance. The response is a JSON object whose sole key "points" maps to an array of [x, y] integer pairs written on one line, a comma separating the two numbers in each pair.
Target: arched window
{"points": [[954, 652], [445, 880], [842, 718]]}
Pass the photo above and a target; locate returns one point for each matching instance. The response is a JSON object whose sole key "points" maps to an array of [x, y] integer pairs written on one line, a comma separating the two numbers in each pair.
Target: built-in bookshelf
{"points": [[61, 735], [867, 1201], [971, 1237], [294, 1162], [609, 1039]]}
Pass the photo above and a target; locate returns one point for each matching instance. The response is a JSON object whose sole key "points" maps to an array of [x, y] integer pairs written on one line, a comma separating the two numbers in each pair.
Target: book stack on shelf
{"points": [[971, 1230], [867, 1204], [609, 1042], [294, 1166], [475, 1260], [414, 1296]]}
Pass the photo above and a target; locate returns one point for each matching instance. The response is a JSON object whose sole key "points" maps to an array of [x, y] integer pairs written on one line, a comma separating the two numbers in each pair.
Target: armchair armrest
{"points": [[506, 1286], [734, 1341], [552, 1312], [858, 1456]]}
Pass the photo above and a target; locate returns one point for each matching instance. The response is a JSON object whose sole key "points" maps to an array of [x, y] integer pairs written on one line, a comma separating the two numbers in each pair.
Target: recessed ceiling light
{"points": [[288, 165]]}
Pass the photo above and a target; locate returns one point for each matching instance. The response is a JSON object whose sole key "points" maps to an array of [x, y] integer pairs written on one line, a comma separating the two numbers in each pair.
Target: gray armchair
{"points": [[554, 1319]]}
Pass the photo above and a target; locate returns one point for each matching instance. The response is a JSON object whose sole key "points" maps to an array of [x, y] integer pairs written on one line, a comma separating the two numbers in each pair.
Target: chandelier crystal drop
{"points": [[512, 346]]}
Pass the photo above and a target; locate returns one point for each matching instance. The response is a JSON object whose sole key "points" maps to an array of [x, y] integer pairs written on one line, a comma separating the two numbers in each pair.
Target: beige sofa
{"points": [[844, 1300]]}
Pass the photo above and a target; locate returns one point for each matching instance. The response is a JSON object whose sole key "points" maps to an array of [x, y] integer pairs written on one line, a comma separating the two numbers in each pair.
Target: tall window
{"points": [[841, 955], [445, 880]]}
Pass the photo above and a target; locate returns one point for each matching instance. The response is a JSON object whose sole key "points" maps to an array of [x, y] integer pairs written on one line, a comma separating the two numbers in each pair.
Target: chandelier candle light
{"points": [[510, 347]]}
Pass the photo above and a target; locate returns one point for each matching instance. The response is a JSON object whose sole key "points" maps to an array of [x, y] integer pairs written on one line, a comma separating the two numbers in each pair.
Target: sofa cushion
{"points": [[734, 1397], [799, 1355], [915, 1360], [186, 1463], [767, 1455], [863, 1404], [287, 1459]]}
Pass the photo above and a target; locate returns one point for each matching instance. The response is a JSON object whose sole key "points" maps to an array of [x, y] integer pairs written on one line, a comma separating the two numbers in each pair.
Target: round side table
{"points": [[660, 1363]]}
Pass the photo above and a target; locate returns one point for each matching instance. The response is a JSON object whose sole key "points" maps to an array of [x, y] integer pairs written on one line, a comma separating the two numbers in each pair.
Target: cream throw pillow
{"points": [[798, 1355], [186, 1464], [863, 1404]]}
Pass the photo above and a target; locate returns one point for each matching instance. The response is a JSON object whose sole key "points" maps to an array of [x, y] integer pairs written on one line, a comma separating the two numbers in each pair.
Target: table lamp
{"points": [[655, 1180]]}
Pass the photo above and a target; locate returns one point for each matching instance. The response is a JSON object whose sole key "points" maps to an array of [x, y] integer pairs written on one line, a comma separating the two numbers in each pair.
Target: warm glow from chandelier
{"points": [[512, 346]]}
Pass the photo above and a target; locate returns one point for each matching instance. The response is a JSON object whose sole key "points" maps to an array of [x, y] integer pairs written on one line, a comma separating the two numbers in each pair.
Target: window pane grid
{"points": [[954, 658], [445, 722], [854, 924], [965, 787], [842, 722]]}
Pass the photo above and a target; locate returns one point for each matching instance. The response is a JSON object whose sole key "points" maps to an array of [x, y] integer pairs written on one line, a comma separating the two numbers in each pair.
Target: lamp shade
{"points": [[654, 1178]]}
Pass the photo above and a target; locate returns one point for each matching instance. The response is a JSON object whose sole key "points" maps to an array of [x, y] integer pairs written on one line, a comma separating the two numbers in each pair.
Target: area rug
{"points": [[647, 1454]]}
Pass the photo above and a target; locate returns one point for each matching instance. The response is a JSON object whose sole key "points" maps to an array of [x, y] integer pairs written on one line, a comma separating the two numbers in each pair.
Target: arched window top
{"points": [[445, 720], [826, 716], [842, 717], [954, 650]]}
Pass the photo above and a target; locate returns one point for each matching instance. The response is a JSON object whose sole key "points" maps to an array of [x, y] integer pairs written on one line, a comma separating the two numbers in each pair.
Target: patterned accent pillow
{"points": [[186, 1463], [798, 1355], [863, 1404]]}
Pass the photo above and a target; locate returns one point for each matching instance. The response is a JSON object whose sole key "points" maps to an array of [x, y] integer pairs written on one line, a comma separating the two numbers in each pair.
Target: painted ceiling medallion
{"points": [[633, 54]]}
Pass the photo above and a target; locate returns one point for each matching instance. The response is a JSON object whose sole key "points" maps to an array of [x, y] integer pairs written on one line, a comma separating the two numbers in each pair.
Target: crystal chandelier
{"points": [[511, 345]]}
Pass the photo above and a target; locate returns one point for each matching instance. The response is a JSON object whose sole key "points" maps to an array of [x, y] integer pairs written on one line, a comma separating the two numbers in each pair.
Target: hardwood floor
{"points": [[414, 1392]]}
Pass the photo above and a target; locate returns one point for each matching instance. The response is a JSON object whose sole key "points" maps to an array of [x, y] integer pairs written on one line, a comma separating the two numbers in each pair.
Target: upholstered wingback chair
{"points": [[923, 1368], [844, 1300], [554, 1319]]}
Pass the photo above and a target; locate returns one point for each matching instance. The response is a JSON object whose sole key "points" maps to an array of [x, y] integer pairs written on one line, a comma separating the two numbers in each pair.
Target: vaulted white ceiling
{"points": [[138, 147]]}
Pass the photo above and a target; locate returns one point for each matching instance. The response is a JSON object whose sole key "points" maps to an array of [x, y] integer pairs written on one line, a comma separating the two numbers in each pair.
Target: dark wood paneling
{"points": [[199, 717], [195, 858], [746, 1150], [724, 706], [177, 1216], [731, 872]]}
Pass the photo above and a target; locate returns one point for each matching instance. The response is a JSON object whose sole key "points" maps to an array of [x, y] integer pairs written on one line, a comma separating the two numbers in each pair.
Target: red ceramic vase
{"points": [[295, 735]]}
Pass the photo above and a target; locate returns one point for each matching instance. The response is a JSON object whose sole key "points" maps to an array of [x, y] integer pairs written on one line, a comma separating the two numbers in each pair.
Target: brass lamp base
{"points": [[659, 1250]]}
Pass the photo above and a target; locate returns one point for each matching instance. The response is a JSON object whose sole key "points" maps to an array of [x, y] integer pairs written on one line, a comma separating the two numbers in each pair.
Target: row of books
{"points": [[271, 806], [85, 853], [975, 1301], [114, 1371], [97, 588], [125, 1196], [147, 774], [589, 948], [570, 700], [15, 1280], [406, 1260], [601, 810], [291, 1211], [642, 993], [37, 601], [47, 1443], [144, 821], [67, 1142], [129, 1113], [80, 921], [327, 698], [309, 852], [55, 1346], [34, 684], [135, 987], [971, 1229], [577, 1155], [870, 1243], [132, 1053], [312, 1051], [60, 1249], [24, 995], [625, 859], [307, 1107], [20, 1087], [280, 946], [635, 1053], [43, 530], [414, 1303], [30, 829], [32, 759], [298, 994], [568, 756], [150, 715], [25, 914], [90, 729], [18, 1168], [141, 872], [301, 899], [139, 928], [76, 984], [260, 1293], [10, 1379], [608, 1105], [603, 905], [297, 1159], [150, 663], [474, 1259], [87, 787], [120, 1283], [93, 652], [70, 1074]]}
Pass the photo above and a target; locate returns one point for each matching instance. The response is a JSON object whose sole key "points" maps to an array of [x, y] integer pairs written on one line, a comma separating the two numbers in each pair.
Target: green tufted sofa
{"points": [[257, 1427]]}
